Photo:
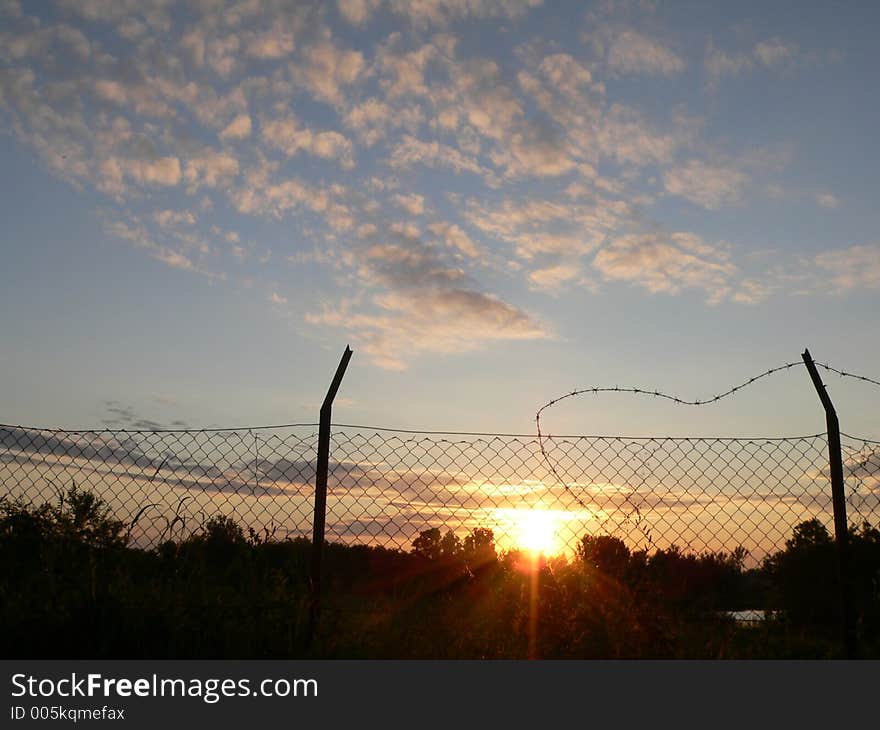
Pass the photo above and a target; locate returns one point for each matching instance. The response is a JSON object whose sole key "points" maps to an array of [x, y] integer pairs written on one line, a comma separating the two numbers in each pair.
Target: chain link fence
{"points": [[387, 486]]}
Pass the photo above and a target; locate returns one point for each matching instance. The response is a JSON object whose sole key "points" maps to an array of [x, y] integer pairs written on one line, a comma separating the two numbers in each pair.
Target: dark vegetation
{"points": [[73, 586]]}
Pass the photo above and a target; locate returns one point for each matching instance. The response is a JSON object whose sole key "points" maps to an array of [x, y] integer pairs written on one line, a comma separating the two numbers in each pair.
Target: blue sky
{"points": [[493, 201]]}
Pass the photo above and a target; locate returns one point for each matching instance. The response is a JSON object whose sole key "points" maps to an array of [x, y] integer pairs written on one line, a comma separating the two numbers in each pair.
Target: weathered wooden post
{"points": [[838, 501], [321, 470]]}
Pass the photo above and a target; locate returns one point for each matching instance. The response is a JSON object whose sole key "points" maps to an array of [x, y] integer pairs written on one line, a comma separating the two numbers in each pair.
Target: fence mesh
{"points": [[385, 486]]}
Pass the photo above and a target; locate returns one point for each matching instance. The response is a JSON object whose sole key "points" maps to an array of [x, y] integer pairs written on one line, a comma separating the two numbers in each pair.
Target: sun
{"points": [[536, 530]]}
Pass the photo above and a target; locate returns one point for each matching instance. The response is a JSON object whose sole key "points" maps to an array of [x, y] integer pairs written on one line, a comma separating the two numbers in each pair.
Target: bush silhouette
{"points": [[72, 586]]}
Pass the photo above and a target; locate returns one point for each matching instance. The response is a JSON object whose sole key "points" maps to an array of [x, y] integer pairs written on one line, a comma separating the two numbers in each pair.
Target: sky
{"points": [[494, 202]]}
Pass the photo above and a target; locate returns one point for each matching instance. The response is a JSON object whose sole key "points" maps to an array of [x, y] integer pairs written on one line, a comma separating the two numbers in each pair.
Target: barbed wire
{"points": [[447, 432], [845, 374], [635, 391], [667, 396]]}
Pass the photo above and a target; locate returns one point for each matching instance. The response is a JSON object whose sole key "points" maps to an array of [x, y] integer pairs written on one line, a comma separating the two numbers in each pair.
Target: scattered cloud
{"points": [[553, 278], [326, 71], [856, 267], [290, 137], [272, 44], [170, 218], [175, 251], [828, 200], [413, 203], [124, 416], [357, 12], [411, 151], [631, 52], [705, 184], [455, 238], [425, 172], [538, 227], [773, 53], [160, 171], [440, 13], [438, 320], [210, 168], [668, 264], [238, 128], [751, 291]]}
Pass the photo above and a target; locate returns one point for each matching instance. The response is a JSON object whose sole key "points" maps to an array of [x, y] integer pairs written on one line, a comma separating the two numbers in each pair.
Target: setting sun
{"points": [[536, 530]]}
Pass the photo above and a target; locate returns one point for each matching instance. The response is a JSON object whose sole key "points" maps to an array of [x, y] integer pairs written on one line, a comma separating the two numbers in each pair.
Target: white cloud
{"points": [[260, 194], [751, 291], [372, 119], [773, 53], [708, 185], [536, 151], [170, 218], [537, 227], [47, 44], [75, 41], [412, 203], [828, 200], [276, 298], [111, 91], [326, 71], [426, 13], [410, 151], [238, 128], [552, 278], [722, 63], [856, 267], [286, 134], [332, 146], [271, 44], [483, 99], [567, 75], [357, 12], [210, 168], [667, 263], [194, 44], [159, 171], [133, 125], [403, 73], [455, 238], [631, 52], [587, 129], [623, 135], [135, 233], [436, 320]]}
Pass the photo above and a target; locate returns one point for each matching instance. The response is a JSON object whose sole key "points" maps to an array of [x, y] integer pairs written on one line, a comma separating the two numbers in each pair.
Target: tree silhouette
{"points": [[431, 545], [427, 544], [450, 546], [809, 534], [222, 592], [607, 554], [804, 578], [479, 547]]}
